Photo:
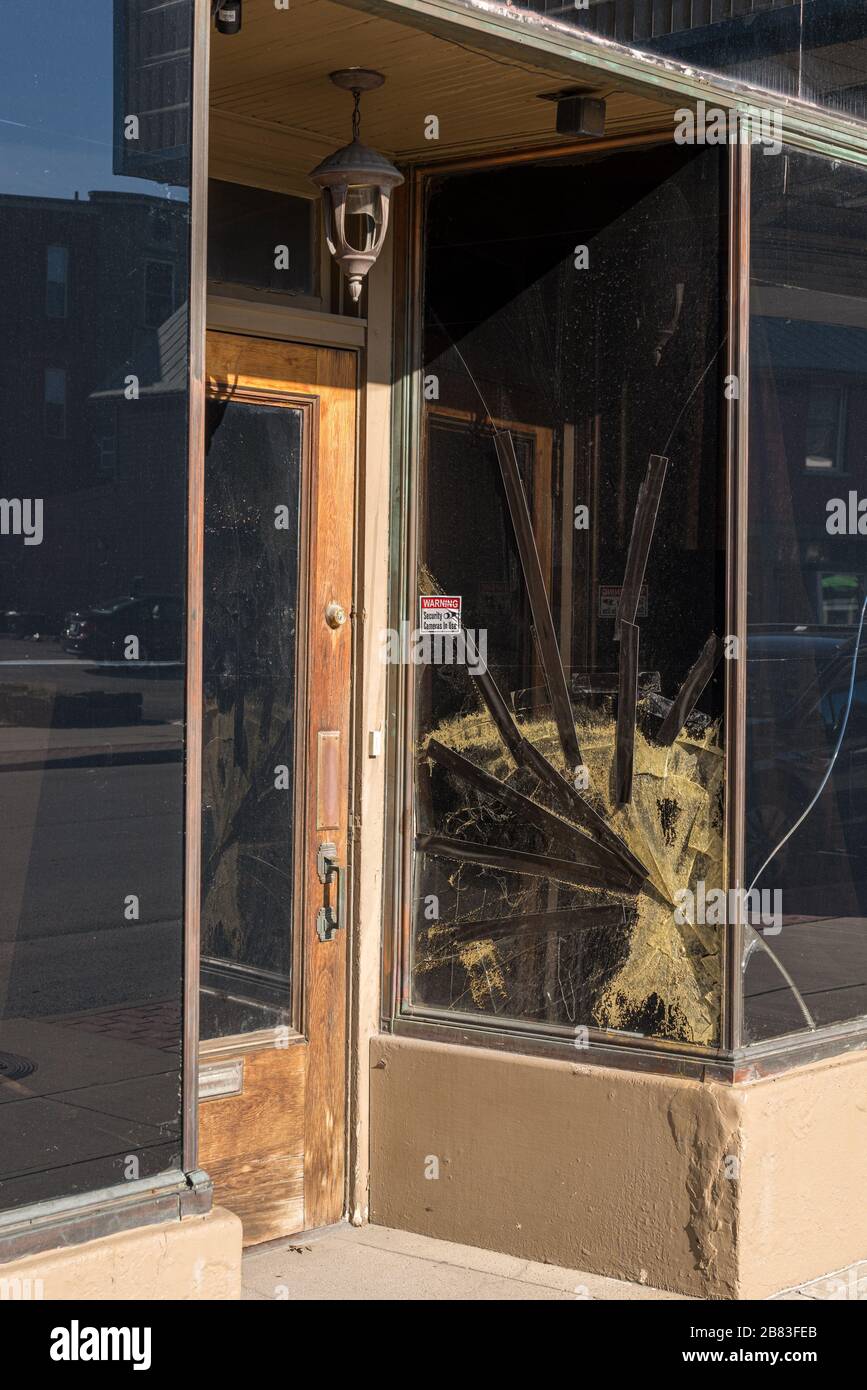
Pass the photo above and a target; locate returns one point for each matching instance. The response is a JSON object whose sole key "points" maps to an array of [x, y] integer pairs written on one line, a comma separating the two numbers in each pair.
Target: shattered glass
{"points": [[570, 766]]}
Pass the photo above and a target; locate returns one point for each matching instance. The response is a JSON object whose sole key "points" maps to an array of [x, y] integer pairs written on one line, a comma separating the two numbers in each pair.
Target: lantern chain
{"points": [[356, 113]]}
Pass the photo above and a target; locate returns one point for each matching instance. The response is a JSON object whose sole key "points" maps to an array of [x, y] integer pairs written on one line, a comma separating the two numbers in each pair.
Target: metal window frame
{"points": [[805, 128], [195, 582]]}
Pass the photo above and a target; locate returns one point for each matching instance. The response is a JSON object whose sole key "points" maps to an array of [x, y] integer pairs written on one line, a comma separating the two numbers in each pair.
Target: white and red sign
{"points": [[439, 613]]}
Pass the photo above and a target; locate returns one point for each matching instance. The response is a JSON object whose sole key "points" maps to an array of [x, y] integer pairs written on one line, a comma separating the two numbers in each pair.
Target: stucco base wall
{"points": [[613, 1172], [196, 1258], [642, 1177], [803, 1203]]}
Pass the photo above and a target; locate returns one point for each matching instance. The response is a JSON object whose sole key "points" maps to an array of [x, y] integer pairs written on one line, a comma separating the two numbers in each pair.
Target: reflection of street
{"points": [[77, 841], [827, 959], [90, 1002], [92, 811], [58, 707]]}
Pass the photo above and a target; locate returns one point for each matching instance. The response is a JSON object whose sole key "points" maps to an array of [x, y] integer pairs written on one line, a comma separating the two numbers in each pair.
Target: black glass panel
{"points": [[251, 606], [573, 331], [812, 49], [94, 232], [260, 238], [806, 839]]}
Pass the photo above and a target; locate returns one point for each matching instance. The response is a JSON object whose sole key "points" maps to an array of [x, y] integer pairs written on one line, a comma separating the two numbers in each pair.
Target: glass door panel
{"points": [[252, 496]]}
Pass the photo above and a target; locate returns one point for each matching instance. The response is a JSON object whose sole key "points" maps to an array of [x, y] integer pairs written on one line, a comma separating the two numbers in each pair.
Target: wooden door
{"points": [[277, 664]]}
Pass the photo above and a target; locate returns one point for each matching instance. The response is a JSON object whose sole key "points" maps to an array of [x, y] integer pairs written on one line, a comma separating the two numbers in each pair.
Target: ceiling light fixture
{"points": [[356, 184]]}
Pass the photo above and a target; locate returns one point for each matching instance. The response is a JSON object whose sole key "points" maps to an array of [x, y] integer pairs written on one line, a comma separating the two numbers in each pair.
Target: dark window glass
{"points": [[260, 238], [93, 437], [159, 294], [826, 417], [56, 278], [813, 49], [573, 308], [251, 610], [55, 402], [806, 837]]}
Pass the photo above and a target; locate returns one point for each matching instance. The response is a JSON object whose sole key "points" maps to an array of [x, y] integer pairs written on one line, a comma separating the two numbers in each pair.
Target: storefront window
{"points": [[569, 614], [806, 785], [94, 276]]}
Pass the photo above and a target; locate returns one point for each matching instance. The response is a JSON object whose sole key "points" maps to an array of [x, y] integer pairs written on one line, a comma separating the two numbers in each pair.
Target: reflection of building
{"points": [[785, 45], [809, 394], [817, 374], [151, 81], [74, 437]]}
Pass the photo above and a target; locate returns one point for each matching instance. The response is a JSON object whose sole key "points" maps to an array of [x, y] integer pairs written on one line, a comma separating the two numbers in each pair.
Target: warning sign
{"points": [[440, 613]]}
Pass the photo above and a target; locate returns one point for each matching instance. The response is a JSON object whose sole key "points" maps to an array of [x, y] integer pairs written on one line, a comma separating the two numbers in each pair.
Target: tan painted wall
{"points": [[612, 1172], [194, 1259], [703, 1188], [804, 1180]]}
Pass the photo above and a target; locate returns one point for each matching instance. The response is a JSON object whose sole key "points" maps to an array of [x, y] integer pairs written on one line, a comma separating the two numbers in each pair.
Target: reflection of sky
{"points": [[56, 101]]}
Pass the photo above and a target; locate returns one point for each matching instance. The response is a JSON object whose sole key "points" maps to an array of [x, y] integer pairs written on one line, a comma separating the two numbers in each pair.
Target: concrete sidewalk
{"points": [[372, 1263]]}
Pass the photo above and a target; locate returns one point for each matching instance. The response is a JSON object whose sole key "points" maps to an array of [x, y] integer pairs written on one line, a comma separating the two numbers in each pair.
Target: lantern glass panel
{"points": [[363, 216]]}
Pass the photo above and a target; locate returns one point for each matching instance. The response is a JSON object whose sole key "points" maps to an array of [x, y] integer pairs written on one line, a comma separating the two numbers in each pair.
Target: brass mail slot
{"points": [[221, 1079]]}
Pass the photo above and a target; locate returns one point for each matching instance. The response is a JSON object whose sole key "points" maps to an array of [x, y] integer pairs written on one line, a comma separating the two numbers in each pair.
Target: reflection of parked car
{"points": [[17, 623], [101, 632], [798, 682], [73, 619]]}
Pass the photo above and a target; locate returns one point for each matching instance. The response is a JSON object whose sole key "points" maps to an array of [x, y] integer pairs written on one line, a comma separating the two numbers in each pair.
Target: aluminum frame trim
{"points": [[90, 1216], [195, 580], [617, 1054], [737, 463], [638, 1054], [406, 432]]}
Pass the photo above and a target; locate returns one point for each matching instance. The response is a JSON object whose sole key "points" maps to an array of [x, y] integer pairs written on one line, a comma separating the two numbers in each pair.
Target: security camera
{"points": [[227, 16]]}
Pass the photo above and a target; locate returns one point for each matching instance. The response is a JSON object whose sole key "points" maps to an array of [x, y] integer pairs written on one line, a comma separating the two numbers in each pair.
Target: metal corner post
{"points": [[195, 558], [737, 433], [406, 433]]}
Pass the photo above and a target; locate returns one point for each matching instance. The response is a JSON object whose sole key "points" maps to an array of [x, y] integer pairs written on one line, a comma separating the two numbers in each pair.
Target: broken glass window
{"points": [[570, 756]]}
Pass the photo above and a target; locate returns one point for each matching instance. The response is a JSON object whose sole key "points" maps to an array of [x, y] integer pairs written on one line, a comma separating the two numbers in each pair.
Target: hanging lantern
{"points": [[356, 184]]}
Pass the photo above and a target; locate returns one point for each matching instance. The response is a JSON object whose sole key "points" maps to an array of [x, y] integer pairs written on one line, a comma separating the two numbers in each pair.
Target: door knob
{"points": [[335, 614]]}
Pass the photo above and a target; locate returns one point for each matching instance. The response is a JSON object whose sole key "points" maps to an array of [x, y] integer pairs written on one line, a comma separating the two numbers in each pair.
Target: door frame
{"points": [[326, 1184]]}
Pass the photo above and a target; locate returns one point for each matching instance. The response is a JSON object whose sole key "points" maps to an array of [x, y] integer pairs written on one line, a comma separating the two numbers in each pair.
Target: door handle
{"points": [[330, 915]]}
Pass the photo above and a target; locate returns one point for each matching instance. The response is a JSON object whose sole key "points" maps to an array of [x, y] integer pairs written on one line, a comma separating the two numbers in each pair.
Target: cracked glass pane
{"points": [[569, 735], [806, 830]]}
